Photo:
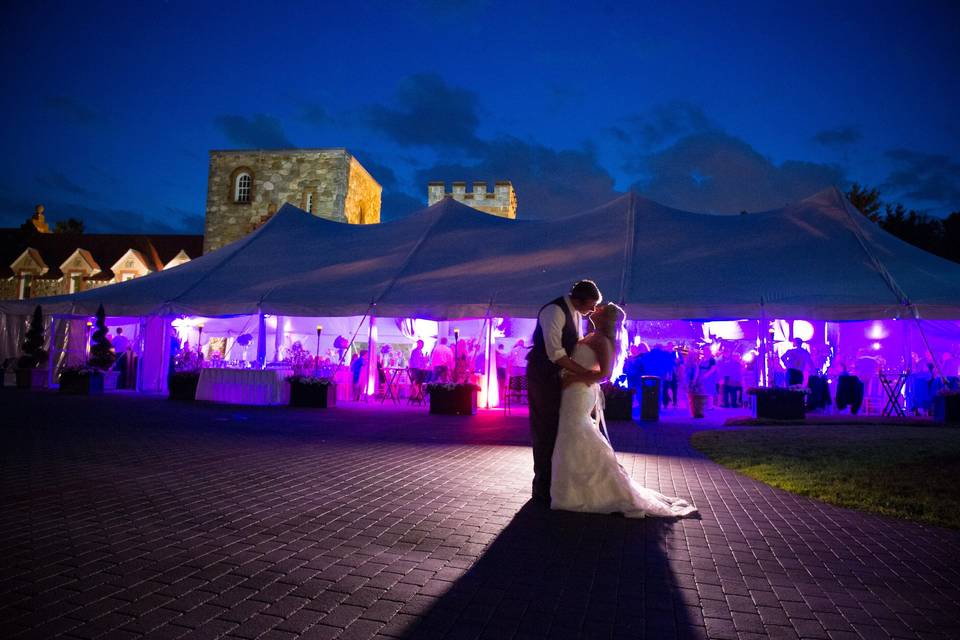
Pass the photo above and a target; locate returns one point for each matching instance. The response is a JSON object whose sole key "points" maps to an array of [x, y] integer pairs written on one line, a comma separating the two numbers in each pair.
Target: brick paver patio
{"points": [[134, 517]]}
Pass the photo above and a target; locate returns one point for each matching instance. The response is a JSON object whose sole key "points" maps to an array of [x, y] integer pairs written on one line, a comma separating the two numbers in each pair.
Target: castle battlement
{"points": [[501, 201]]}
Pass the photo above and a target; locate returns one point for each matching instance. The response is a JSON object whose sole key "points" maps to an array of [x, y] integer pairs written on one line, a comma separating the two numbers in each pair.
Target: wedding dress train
{"points": [[586, 474]]}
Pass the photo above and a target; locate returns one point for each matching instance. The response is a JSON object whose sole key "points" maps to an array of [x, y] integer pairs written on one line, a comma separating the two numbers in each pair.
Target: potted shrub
{"points": [[101, 352], [183, 380], [946, 406], [312, 391], [31, 369], [81, 381], [617, 402], [696, 399], [780, 403], [447, 398]]}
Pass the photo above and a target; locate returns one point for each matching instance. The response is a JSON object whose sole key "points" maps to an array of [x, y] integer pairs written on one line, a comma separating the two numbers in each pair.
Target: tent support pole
{"points": [[763, 374], [371, 385], [261, 338], [51, 355]]}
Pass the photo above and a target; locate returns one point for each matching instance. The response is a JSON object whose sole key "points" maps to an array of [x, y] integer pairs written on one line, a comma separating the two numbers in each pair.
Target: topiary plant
{"points": [[101, 353], [33, 352]]}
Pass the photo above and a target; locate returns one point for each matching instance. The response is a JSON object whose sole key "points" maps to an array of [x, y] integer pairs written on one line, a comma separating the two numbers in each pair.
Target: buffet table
{"points": [[244, 386]]}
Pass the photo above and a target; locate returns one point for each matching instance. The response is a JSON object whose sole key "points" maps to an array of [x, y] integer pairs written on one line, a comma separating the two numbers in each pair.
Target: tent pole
{"points": [[371, 355], [51, 356], [278, 339], [762, 374], [261, 339]]}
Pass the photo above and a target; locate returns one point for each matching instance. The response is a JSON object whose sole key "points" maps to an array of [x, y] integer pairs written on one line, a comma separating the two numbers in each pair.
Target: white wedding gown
{"points": [[586, 474]]}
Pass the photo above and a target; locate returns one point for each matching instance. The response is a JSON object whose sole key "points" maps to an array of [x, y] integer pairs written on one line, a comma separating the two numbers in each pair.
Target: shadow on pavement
{"points": [[563, 575]]}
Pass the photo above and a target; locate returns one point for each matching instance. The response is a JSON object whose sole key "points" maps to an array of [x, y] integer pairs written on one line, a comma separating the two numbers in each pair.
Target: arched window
{"points": [[310, 202], [241, 191]]}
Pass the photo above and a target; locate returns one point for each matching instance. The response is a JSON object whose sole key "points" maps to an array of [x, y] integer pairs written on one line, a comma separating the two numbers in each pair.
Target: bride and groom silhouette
{"points": [[574, 466]]}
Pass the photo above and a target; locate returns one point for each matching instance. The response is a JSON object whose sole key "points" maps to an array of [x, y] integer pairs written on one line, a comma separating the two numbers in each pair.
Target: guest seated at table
{"points": [[442, 362]]}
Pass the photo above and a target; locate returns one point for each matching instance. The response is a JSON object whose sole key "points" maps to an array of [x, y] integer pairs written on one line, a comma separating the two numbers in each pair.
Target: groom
{"points": [[559, 328]]}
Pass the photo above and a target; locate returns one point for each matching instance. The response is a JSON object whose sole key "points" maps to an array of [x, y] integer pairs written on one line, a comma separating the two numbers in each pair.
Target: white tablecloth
{"points": [[244, 386]]}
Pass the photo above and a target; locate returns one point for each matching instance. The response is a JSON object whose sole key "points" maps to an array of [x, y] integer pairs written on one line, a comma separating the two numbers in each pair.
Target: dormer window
{"points": [[242, 188]]}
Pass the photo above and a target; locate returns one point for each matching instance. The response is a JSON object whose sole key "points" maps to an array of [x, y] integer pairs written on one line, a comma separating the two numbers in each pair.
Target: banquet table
{"points": [[244, 386]]}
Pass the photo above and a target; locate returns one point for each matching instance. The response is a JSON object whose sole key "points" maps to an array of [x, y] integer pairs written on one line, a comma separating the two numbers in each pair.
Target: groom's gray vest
{"points": [[538, 364]]}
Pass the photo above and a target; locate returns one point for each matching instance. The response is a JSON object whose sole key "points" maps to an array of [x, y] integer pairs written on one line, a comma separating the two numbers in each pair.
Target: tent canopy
{"points": [[818, 259]]}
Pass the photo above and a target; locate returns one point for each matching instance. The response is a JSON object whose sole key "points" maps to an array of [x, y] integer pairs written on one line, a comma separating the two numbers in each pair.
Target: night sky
{"points": [[109, 109]]}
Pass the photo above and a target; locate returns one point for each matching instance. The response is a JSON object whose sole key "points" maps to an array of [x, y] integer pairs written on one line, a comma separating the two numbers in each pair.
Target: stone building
{"points": [[35, 262], [502, 201], [246, 187]]}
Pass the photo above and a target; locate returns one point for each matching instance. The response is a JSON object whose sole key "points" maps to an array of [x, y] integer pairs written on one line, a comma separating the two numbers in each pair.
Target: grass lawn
{"points": [[904, 472]]}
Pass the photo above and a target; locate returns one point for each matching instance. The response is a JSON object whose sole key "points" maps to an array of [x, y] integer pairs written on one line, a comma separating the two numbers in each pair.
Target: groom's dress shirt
{"points": [[552, 320]]}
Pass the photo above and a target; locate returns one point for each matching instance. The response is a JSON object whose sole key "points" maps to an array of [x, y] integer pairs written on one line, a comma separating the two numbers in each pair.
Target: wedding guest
{"points": [[418, 366], [518, 358], [707, 373], [502, 361], [120, 346], [797, 362], [730, 371], [357, 368], [441, 360]]}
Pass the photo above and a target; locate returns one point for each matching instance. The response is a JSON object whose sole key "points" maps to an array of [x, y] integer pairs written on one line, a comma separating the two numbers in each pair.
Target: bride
{"points": [[586, 474]]}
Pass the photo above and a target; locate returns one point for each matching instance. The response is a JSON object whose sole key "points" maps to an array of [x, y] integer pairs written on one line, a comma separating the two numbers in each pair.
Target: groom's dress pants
{"points": [[543, 395]]}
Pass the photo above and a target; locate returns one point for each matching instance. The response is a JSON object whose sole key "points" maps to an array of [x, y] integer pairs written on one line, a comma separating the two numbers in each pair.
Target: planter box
{"points": [[619, 407], [319, 396], [697, 403], [461, 401], [946, 409], [780, 404], [110, 380], [31, 378], [183, 387], [89, 384]]}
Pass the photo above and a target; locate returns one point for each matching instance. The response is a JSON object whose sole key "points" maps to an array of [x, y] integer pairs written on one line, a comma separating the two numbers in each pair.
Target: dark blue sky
{"points": [[109, 110]]}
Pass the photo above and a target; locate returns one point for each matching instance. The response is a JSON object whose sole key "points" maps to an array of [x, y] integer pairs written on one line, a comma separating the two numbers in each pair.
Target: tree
{"points": [[867, 201], [101, 353], [70, 225], [32, 347], [951, 236]]}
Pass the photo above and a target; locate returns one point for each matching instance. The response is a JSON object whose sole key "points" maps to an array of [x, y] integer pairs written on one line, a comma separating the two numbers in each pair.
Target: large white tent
{"points": [[818, 258]]}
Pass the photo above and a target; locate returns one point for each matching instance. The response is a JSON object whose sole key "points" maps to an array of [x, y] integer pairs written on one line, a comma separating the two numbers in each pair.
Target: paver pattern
{"points": [[136, 517]]}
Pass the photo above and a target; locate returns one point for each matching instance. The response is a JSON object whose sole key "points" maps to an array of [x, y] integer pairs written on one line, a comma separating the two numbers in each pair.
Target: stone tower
{"points": [[502, 201], [246, 187]]}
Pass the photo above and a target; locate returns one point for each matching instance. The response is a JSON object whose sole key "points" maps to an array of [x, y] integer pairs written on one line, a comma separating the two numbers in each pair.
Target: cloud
{"points": [[71, 109], [839, 137], [315, 114], [664, 123], [397, 204], [718, 173], [59, 182], [184, 220], [922, 176], [259, 132], [549, 182], [429, 113]]}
